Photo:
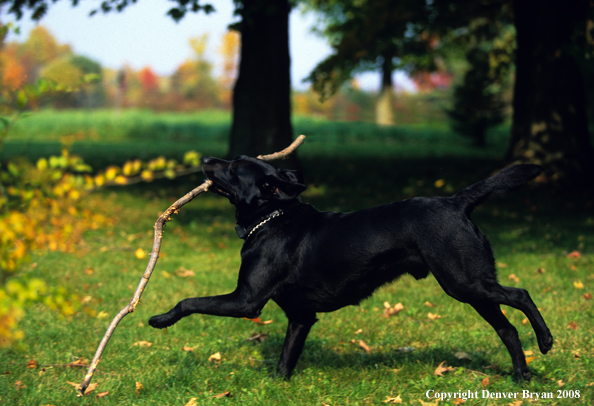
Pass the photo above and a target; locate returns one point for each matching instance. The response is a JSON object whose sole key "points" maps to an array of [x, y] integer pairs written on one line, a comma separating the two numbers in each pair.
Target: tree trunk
{"points": [[549, 121], [384, 111], [261, 96]]}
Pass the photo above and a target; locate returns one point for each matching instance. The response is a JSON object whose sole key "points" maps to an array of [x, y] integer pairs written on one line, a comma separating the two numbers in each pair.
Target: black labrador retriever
{"points": [[309, 261]]}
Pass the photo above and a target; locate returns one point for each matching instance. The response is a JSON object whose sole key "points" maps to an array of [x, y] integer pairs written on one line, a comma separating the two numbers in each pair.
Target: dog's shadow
{"points": [[350, 356]]}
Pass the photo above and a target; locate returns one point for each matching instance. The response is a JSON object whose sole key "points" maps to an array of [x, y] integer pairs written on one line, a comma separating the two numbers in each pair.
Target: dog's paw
{"points": [[162, 321], [546, 343]]}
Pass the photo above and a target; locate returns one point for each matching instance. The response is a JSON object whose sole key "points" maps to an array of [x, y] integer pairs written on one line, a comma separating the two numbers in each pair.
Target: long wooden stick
{"points": [[161, 221]]}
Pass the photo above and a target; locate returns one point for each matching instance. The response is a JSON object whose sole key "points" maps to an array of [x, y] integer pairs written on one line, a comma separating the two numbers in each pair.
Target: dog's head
{"points": [[251, 183]]}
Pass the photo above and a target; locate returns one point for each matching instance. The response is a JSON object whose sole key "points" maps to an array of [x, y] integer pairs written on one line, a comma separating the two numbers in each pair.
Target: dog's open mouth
{"points": [[219, 190]]}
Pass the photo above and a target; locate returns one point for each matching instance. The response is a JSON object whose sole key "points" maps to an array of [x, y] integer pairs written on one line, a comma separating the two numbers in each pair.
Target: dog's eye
{"points": [[265, 185]]}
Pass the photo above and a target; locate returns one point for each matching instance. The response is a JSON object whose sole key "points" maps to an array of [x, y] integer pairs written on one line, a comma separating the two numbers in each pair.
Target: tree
{"points": [[479, 99], [371, 35], [261, 96], [549, 124], [549, 119], [477, 106]]}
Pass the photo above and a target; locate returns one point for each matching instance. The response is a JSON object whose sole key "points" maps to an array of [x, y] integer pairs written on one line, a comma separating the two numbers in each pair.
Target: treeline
{"points": [[193, 86]]}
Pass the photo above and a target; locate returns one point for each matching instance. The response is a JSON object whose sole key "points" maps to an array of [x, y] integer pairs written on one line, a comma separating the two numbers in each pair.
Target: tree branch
{"points": [[161, 221]]}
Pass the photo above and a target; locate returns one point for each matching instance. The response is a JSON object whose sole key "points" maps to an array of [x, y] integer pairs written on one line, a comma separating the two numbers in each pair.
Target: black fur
{"points": [[309, 261]]}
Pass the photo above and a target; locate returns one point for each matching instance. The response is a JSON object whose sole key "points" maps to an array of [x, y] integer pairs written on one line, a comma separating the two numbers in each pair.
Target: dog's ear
{"points": [[287, 184]]}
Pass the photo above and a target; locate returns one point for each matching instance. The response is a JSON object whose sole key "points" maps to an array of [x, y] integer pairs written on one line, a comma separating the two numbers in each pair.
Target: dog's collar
{"points": [[245, 232]]}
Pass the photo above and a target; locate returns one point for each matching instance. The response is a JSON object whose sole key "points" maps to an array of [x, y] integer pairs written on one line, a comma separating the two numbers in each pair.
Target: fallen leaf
{"points": [[259, 321], [573, 325], [258, 337], [192, 402], [525, 321], [587, 296], [395, 400], [32, 364], [139, 387], [188, 349], [485, 382], [89, 389], [516, 403], [560, 383], [165, 274], [433, 316], [392, 310], [143, 344], [365, 347], [513, 277], [574, 254], [102, 315], [216, 357], [225, 394], [89, 271], [458, 401], [501, 265], [359, 331], [102, 394], [441, 369], [529, 360], [184, 273], [139, 253], [79, 362], [578, 285], [528, 353], [439, 183], [19, 385], [504, 312], [573, 267], [540, 270], [429, 304], [462, 355]]}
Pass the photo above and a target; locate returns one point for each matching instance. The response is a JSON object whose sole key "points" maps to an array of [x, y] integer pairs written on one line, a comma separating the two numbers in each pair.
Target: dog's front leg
{"points": [[236, 304], [297, 332]]}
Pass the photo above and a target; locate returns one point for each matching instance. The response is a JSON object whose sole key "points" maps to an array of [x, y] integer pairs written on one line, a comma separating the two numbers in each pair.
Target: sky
{"points": [[143, 35]]}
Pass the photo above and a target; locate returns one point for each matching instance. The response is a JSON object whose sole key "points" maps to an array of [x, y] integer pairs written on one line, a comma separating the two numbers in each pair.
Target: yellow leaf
{"points": [[578, 285], [389, 399], [188, 349], [102, 315], [225, 394], [433, 316], [365, 347], [139, 387], [120, 180], [216, 357], [439, 183], [442, 369], [139, 253], [143, 344], [513, 277], [192, 402]]}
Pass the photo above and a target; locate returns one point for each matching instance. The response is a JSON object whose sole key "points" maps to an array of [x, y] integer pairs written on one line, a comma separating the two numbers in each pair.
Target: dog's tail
{"points": [[508, 178]]}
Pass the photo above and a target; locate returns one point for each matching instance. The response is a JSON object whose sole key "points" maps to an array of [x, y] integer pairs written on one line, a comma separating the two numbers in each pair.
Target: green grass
{"points": [[528, 229], [104, 137]]}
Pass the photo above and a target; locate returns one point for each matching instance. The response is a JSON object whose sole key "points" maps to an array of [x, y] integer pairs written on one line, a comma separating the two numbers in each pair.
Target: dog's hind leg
{"points": [[509, 335], [300, 322], [520, 299]]}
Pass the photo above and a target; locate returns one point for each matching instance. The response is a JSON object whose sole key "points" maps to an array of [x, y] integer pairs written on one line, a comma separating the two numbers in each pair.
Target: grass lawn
{"points": [[532, 233]]}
